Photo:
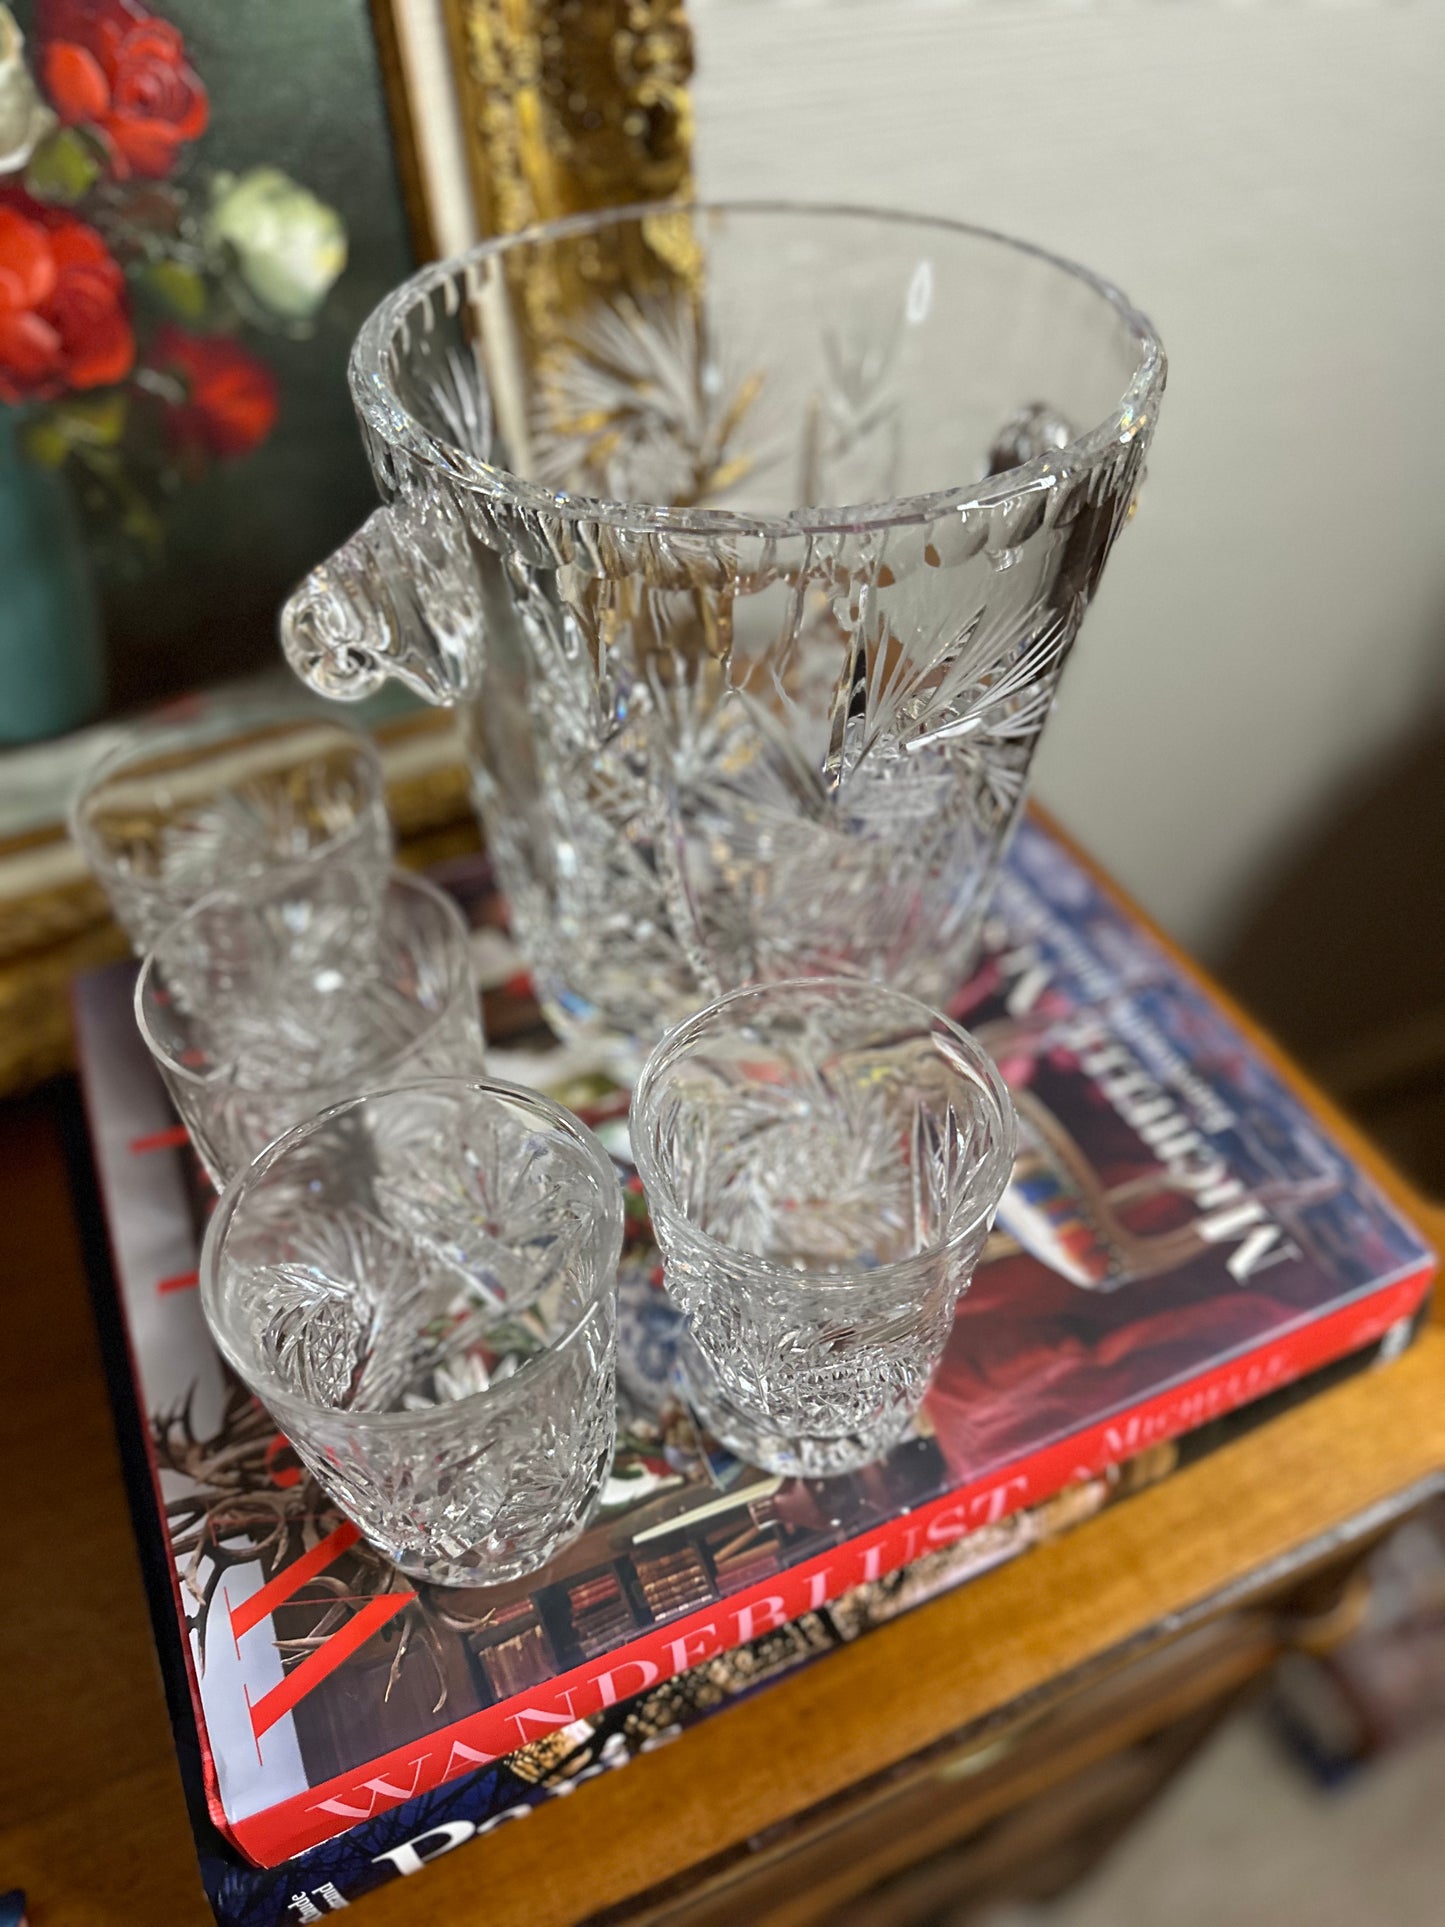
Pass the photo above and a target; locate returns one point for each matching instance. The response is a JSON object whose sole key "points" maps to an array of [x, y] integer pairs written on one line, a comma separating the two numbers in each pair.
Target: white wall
{"points": [[1268, 182]]}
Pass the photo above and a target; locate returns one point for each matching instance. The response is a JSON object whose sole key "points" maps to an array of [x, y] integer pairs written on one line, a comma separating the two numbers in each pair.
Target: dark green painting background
{"points": [[293, 84]]}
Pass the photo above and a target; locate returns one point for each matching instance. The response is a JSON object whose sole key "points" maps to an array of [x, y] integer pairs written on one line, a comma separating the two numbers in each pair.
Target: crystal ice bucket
{"points": [[750, 543]]}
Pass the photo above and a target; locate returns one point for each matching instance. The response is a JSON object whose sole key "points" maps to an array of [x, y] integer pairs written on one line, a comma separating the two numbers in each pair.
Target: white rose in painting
{"points": [[25, 120], [289, 246]]}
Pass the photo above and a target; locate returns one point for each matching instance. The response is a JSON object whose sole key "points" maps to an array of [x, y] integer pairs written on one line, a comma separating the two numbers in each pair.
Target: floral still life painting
{"points": [[174, 299]]}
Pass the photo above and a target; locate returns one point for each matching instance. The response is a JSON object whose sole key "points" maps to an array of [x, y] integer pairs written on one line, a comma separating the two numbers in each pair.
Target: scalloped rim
{"points": [[383, 413]]}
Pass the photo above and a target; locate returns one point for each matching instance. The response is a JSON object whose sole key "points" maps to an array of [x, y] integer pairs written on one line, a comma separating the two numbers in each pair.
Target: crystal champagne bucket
{"points": [[750, 543]]}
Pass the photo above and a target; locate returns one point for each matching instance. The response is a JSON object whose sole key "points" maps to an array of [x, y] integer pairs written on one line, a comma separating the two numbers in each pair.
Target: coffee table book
{"points": [[1182, 1241]]}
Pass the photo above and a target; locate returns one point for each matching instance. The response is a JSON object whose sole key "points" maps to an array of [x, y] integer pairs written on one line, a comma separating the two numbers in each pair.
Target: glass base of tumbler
{"points": [[755, 1439], [481, 1568]]}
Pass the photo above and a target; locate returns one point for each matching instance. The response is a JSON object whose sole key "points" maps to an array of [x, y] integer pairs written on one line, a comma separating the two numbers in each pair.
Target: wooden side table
{"points": [[985, 1734]]}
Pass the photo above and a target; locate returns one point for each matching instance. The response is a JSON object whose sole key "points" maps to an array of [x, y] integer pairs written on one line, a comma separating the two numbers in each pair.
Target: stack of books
{"points": [[1183, 1249]]}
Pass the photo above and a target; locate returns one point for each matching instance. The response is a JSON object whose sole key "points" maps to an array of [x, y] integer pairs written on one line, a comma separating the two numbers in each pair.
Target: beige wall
{"points": [[1268, 182]]}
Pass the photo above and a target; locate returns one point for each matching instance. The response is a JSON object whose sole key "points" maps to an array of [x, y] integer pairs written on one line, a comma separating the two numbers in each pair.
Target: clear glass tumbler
{"points": [[751, 543], [467, 1434], [172, 813], [264, 1004], [822, 1160]]}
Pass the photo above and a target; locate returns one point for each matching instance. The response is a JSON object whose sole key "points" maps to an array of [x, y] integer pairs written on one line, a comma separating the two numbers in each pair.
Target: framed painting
{"points": [[198, 205]]}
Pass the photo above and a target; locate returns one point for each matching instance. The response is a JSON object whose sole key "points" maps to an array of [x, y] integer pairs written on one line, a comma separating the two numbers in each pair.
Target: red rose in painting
{"points": [[63, 321], [231, 399], [111, 65]]}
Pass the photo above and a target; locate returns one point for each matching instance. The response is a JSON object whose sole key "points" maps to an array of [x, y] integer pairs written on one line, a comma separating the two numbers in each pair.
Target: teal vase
{"points": [[52, 663]]}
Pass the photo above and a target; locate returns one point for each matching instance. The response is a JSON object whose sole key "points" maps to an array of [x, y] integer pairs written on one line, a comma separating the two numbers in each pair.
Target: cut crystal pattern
{"points": [[264, 1005], [467, 1435], [171, 816], [822, 1163], [638, 405], [485, 1204], [720, 732]]}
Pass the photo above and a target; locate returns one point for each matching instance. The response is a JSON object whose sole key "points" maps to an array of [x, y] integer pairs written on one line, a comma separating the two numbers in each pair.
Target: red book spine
{"points": [[484, 1737]]}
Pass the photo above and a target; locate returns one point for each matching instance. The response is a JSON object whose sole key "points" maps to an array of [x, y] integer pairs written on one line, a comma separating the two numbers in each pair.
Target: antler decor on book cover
{"points": [[1181, 1238]]}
